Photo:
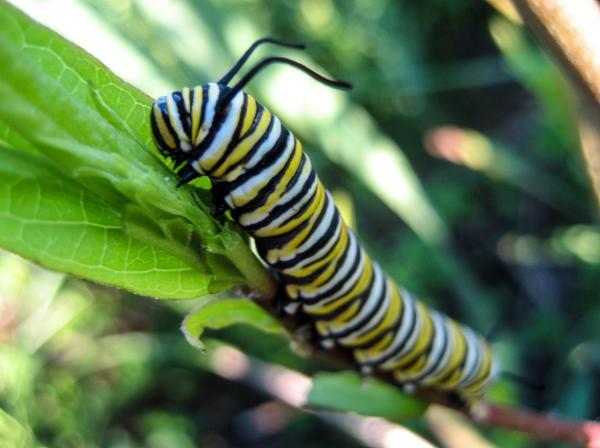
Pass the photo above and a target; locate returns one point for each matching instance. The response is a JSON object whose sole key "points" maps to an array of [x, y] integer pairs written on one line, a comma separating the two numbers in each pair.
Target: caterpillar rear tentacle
{"points": [[261, 174]]}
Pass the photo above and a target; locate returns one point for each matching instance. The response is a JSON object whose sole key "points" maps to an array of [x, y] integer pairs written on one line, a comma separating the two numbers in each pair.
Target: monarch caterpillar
{"points": [[260, 173]]}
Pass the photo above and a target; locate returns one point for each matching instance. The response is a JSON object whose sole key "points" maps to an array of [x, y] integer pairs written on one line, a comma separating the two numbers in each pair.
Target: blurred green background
{"points": [[456, 157]]}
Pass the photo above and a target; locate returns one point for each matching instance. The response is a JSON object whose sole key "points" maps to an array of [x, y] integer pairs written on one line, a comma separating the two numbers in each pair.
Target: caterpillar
{"points": [[260, 173]]}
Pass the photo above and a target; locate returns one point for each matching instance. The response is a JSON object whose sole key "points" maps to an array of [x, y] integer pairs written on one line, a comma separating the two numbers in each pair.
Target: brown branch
{"points": [[570, 31], [539, 426]]}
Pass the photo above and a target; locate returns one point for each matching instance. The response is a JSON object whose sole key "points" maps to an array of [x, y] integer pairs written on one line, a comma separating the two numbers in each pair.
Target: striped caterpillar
{"points": [[260, 173]]}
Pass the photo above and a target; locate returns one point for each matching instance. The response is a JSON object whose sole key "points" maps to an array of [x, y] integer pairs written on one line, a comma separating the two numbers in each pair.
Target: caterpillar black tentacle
{"points": [[260, 172]]}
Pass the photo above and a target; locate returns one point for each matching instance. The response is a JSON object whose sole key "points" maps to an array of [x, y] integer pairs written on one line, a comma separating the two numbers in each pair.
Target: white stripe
{"points": [[471, 366], [209, 111], [248, 219], [411, 313], [379, 315], [305, 261], [341, 271], [175, 121], [449, 351], [315, 234], [321, 229], [259, 155], [274, 134], [248, 190], [225, 134], [436, 347], [353, 252], [408, 317], [353, 248], [367, 308]]}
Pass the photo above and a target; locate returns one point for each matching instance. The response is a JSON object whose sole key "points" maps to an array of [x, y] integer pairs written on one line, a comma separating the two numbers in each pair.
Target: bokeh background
{"points": [[456, 158]]}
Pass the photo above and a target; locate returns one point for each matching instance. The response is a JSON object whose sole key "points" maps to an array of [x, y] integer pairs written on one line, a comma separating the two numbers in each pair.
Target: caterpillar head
{"points": [[171, 119]]}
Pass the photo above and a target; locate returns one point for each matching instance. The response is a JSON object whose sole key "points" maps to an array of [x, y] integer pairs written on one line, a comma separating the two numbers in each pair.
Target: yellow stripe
{"points": [[361, 285], [392, 315], [250, 115], [347, 315], [310, 210], [173, 113], [362, 355], [163, 129], [292, 246], [185, 92], [485, 369], [457, 354], [242, 148], [424, 339], [338, 247], [416, 368], [275, 196], [196, 112]]}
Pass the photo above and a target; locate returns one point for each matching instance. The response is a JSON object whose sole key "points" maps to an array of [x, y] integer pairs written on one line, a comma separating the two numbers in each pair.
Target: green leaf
{"points": [[51, 220], [216, 313], [92, 130], [348, 392]]}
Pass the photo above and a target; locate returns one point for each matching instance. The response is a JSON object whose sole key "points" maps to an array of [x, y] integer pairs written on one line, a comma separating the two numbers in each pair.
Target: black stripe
{"points": [[158, 137], [244, 160], [333, 314], [395, 329], [290, 279], [164, 110], [265, 244], [183, 115], [459, 365], [436, 362], [203, 107], [267, 190], [365, 320], [191, 101], [281, 265], [281, 208], [279, 241], [472, 374], [220, 115], [235, 137], [269, 158], [340, 284], [418, 353]]}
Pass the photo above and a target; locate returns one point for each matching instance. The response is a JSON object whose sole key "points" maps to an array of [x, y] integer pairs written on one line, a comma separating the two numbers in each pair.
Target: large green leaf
{"points": [[93, 128], [51, 220], [348, 392]]}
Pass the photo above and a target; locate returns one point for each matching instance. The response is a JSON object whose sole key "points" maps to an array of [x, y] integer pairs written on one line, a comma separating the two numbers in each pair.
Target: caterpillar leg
{"points": [[459, 402], [284, 306], [186, 175], [218, 196]]}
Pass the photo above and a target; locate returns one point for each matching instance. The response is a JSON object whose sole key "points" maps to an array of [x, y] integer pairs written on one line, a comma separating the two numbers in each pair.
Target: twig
{"points": [[542, 427]]}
